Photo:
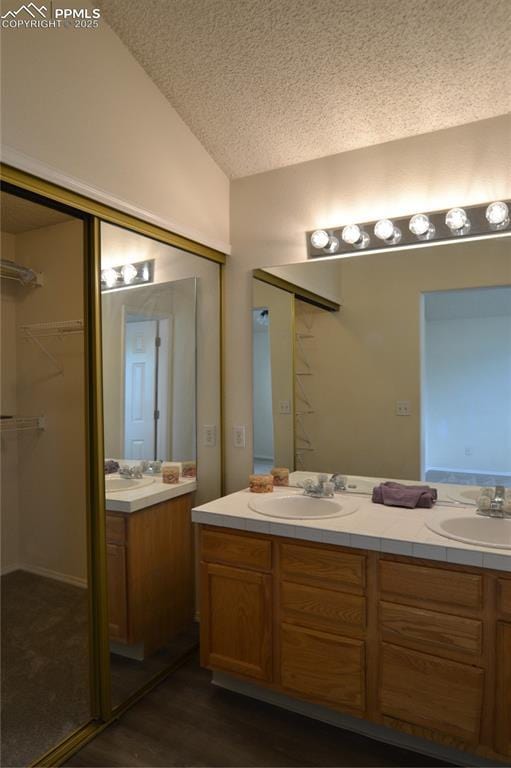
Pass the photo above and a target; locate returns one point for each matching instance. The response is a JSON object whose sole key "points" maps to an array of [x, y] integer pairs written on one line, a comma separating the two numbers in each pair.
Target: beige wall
{"points": [[368, 355], [281, 329], [270, 213], [51, 464], [319, 277], [8, 407], [120, 246], [76, 103]]}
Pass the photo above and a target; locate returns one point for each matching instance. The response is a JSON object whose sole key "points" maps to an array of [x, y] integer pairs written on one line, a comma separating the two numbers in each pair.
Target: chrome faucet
{"points": [[494, 504], [130, 473], [151, 467], [322, 489], [339, 482]]}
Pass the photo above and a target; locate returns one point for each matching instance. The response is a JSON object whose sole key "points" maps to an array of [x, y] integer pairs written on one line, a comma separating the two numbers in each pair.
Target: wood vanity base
{"points": [[150, 573], [419, 646]]}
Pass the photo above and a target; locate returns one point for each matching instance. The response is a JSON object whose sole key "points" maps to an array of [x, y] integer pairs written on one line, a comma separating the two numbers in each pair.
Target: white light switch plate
{"points": [[238, 437], [209, 435], [403, 408], [284, 406]]}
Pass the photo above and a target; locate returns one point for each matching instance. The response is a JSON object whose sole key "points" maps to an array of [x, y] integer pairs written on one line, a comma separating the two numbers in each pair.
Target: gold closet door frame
{"points": [[92, 213]]}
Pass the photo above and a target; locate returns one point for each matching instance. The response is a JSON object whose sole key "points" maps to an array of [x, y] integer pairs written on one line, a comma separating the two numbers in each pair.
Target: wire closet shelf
{"points": [[10, 424], [34, 332]]}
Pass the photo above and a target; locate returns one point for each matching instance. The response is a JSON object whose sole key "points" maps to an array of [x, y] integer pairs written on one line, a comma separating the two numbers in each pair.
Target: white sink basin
{"points": [[120, 484], [472, 529], [297, 507]]}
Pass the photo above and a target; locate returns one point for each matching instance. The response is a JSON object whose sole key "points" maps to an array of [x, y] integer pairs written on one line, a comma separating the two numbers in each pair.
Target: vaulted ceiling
{"points": [[268, 83]]}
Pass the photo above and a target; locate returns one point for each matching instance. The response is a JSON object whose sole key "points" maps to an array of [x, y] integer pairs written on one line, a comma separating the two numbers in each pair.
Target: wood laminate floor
{"points": [[186, 721]]}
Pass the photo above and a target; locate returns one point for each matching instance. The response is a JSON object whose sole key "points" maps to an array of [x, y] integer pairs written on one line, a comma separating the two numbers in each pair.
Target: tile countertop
{"points": [[394, 530], [139, 498]]}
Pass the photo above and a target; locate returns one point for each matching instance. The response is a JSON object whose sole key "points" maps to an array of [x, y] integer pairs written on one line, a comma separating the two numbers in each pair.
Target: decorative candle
{"points": [[280, 475], [261, 483], [189, 469], [169, 474]]}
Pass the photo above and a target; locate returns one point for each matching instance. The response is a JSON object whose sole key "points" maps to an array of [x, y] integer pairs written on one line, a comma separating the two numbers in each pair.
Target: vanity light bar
{"points": [[127, 275], [421, 228]]}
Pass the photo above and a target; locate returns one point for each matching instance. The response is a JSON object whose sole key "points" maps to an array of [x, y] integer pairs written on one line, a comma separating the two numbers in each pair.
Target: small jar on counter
{"points": [[260, 483], [280, 476], [169, 474], [189, 469]]}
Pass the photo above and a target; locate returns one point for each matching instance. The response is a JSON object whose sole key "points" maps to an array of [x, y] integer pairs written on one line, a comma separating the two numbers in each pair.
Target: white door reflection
{"points": [[146, 386]]}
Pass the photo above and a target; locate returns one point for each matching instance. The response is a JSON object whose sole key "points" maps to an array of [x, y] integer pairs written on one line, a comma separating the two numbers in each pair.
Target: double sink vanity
{"points": [[392, 622]]}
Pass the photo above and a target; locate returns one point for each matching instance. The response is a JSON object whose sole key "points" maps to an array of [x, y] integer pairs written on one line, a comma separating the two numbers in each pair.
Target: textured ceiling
{"points": [[268, 83], [19, 215]]}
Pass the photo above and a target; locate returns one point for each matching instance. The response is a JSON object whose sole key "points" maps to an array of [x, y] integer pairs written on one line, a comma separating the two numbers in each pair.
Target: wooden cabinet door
{"points": [[431, 692], [117, 596], [503, 709], [236, 620], [323, 667]]}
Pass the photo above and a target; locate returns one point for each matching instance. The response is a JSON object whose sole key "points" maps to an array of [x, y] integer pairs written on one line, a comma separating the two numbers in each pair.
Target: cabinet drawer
{"points": [[435, 585], [232, 549], [402, 624], [323, 667], [504, 596], [322, 567], [432, 693], [322, 608], [115, 529]]}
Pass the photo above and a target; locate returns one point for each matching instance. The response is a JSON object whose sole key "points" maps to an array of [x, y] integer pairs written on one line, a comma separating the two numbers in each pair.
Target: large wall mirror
{"points": [[410, 379], [161, 381]]}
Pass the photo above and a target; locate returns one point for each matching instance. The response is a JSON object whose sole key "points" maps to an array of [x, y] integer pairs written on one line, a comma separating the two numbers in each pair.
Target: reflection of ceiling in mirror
{"points": [[18, 215]]}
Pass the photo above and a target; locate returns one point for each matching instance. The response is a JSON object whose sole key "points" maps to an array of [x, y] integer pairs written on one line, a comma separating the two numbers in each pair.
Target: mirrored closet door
{"points": [[161, 395], [45, 587]]}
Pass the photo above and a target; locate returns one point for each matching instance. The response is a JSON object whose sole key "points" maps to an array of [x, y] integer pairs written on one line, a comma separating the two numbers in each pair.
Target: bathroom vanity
{"points": [[150, 566], [333, 614]]}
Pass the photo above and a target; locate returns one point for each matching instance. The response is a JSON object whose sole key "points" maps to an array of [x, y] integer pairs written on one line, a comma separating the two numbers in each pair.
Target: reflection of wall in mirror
{"points": [[120, 246], [280, 305], [367, 356]]}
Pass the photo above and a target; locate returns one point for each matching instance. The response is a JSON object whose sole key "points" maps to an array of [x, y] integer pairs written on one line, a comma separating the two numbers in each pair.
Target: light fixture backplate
{"points": [[479, 227]]}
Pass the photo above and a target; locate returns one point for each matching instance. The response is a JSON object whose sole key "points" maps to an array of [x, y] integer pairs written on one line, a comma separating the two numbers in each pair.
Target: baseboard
{"points": [[134, 651], [349, 723], [38, 570], [10, 569]]}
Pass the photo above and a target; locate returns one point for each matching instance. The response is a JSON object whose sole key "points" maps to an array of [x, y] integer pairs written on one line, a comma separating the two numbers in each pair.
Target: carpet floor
{"points": [[45, 664]]}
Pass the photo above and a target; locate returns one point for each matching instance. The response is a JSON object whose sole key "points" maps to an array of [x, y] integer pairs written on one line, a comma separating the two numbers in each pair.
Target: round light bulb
{"points": [[129, 273], [456, 219], [351, 234], [320, 239], [419, 224], [384, 229], [333, 245], [497, 213], [109, 277]]}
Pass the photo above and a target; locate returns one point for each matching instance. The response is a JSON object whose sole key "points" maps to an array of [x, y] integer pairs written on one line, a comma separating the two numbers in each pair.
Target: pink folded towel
{"points": [[399, 495]]}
